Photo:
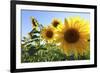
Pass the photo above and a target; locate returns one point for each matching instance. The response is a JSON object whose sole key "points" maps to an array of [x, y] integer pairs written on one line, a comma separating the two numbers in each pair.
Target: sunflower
{"points": [[34, 23], [56, 23], [74, 35], [48, 34]]}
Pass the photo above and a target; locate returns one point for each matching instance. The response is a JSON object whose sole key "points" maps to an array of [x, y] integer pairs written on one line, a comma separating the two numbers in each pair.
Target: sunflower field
{"points": [[58, 41]]}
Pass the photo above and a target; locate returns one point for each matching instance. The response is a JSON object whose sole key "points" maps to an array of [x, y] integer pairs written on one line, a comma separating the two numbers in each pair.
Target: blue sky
{"points": [[45, 18]]}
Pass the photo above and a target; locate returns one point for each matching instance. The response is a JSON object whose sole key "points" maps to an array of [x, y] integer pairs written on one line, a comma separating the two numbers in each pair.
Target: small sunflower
{"points": [[74, 35], [34, 23], [48, 33], [56, 23]]}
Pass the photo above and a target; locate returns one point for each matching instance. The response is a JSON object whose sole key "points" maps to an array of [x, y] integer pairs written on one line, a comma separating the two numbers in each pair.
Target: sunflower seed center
{"points": [[71, 35], [49, 34], [55, 23]]}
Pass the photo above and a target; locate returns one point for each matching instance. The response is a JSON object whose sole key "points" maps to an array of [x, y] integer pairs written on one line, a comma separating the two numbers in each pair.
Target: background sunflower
{"points": [[56, 23], [48, 34]]}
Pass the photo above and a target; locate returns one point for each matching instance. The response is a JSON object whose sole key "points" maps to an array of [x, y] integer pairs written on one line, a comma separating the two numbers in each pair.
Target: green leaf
{"points": [[42, 47], [35, 36], [36, 31], [36, 40]]}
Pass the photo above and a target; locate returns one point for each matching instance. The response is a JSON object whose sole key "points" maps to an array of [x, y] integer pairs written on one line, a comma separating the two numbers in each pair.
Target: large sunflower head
{"points": [[48, 34], [74, 35]]}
